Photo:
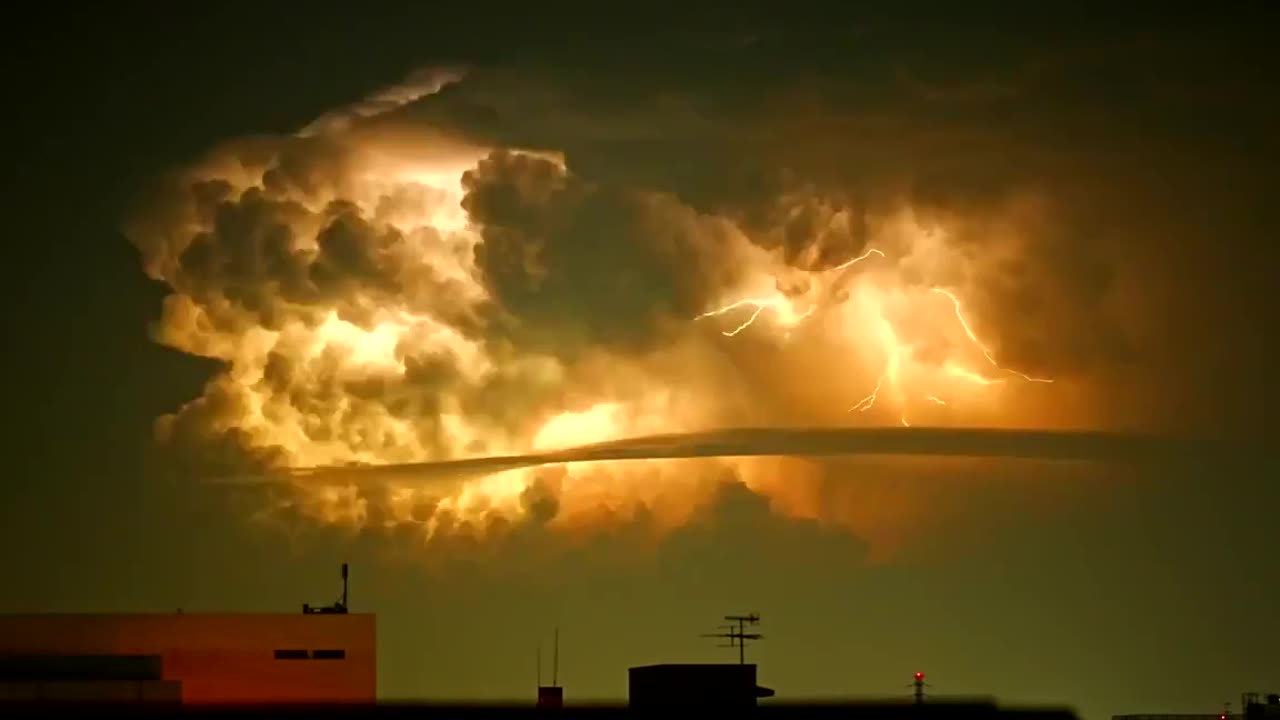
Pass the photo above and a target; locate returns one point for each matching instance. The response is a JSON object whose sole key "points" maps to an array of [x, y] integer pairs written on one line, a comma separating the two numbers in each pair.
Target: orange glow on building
{"points": [[221, 658]]}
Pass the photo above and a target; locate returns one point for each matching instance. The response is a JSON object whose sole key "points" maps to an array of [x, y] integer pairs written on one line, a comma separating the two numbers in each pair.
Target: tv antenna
{"points": [[338, 608], [736, 633]]}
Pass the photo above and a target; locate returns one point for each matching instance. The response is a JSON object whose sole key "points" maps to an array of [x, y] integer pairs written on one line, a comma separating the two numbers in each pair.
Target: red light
{"points": [[920, 676]]}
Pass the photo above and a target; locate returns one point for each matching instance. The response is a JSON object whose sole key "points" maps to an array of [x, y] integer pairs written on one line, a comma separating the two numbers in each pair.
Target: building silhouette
{"points": [[327, 655], [322, 655], [209, 658], [1253, 707], [726, 686], [703, 685]]}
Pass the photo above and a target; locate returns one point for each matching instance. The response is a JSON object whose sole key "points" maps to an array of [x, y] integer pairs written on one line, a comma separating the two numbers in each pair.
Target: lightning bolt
{"points": [[782, 307], [869, 401], [955, 303], [788, 317], [889, 377], [855, 261], [785, 311], [890, 374]]}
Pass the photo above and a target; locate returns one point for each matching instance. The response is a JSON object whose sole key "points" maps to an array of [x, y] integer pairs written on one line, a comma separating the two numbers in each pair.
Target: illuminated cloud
{"points": [[426, 81], [503, 262]]}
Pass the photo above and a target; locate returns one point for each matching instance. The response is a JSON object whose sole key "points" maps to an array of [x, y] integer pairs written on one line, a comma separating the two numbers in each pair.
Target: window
{"points": [[312, 655]]}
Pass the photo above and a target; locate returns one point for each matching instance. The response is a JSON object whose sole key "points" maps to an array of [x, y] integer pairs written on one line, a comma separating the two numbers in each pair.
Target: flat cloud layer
{"points": [[507, 261], [791, 442]]}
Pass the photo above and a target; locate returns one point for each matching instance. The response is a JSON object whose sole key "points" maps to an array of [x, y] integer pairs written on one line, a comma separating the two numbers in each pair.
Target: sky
{"points": [[244, 242]]}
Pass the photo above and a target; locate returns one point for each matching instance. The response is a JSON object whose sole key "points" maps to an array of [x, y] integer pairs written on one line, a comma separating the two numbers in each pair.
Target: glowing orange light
{"points": [[873, 300]]}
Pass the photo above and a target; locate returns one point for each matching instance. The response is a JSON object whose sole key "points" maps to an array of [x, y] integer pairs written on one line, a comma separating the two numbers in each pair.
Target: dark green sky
{"points": [[1113, 591]]}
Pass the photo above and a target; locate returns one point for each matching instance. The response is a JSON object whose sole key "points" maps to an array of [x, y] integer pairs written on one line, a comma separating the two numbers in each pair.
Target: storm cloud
{"points": [[520, 259]]}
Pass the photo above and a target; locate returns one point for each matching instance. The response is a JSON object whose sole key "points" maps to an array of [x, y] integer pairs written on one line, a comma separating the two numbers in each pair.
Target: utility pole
{"points": [[737, 633]]}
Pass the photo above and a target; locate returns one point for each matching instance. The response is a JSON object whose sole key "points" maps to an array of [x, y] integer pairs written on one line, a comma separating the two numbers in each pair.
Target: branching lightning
{"points": [[895, 349], [855, 261], [869, 401], [782, 307], [955, 302], [892, 369]]}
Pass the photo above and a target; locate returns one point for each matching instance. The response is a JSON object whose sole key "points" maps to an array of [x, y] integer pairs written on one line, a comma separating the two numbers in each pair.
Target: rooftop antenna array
{"points": [[338, 608], [736, 633]]}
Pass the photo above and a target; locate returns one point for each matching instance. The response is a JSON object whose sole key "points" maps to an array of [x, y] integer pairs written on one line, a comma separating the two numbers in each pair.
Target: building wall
{"points": [[224, 657], [105, 691]]}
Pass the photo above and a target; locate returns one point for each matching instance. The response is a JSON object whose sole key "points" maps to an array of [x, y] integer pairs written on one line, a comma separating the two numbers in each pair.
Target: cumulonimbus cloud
{"points": [[514, 262]]}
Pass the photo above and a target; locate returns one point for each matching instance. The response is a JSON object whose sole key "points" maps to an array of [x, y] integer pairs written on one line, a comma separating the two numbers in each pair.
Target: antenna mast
{"points": [[919, 684], [550, 696], [338, 608], [344, 587], [737, 635]]}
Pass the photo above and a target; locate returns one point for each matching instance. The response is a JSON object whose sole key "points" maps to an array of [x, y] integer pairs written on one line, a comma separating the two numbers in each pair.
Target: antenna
{"points": [[338, 608], [738, 636], [919, 684], [550, 696]]}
